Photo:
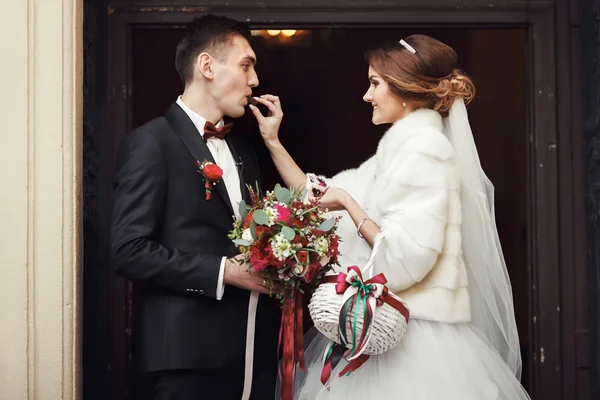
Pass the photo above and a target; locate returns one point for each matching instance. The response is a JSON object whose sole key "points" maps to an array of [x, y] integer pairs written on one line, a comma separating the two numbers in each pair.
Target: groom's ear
{"points": [[205, 65]]}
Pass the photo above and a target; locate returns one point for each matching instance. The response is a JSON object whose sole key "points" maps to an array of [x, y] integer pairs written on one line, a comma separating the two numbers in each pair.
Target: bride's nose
{"points": [[367, 97]]}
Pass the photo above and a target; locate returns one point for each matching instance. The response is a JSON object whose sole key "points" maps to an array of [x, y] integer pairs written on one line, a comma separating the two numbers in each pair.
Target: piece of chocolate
{"points": [[252, 100]]}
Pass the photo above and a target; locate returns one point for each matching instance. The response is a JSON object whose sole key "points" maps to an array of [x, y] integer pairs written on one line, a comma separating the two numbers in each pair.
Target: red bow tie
{"points": [[210, 130]]}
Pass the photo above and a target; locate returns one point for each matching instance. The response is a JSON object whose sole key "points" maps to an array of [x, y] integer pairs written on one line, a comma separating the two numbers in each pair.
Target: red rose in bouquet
{"points": [[261, 257], [302, 256]]}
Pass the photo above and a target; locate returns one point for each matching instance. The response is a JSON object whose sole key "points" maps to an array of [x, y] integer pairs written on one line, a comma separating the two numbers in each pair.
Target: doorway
{"points": [[320, 76]]}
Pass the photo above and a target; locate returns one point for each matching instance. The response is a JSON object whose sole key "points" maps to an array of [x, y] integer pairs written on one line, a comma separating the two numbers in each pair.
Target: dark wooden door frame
{"points": [[590, 56], [550, 166]]}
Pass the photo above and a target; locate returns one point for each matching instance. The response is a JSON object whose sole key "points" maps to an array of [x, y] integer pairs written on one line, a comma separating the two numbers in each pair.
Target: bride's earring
{"points": [[403, 104]]}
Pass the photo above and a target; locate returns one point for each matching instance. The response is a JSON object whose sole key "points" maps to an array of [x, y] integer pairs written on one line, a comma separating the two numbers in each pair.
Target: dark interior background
{"points": [[321, 77]]}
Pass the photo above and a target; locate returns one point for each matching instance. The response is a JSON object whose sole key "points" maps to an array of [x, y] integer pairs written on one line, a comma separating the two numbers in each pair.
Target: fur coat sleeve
{"points": [[417, 202]]}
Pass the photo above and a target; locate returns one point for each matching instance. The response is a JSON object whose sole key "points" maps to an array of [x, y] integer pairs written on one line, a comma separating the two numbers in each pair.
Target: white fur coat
{"points": [[410, 188]]}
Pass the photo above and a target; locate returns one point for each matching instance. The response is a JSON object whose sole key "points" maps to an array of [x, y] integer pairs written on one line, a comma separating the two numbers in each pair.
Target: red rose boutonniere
{"points": [[212, 174]]}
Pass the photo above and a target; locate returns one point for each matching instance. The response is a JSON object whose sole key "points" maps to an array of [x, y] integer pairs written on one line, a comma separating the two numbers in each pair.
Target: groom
{"points": [[172, 239]]}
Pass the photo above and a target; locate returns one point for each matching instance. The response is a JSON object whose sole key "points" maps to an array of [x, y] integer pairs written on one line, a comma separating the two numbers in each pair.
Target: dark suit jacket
{"points": [[168, 237]]}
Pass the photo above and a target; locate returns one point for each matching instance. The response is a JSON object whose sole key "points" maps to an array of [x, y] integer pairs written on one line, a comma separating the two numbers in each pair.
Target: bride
{"points": [[425, 192]]}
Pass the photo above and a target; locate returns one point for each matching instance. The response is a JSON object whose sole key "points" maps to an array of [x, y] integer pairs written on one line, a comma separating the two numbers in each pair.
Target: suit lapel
{"points": [[186, 130]]}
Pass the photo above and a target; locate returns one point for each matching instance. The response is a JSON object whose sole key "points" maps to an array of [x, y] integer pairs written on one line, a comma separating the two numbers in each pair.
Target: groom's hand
{"points": [[269, 125], [238, 273]]}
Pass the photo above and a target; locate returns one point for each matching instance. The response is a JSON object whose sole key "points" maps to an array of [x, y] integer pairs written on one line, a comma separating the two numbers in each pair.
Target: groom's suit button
{"points": [[201, 291]]}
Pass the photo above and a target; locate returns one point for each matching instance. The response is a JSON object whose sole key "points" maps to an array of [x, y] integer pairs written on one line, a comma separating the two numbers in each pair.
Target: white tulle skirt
{"points": [[434, 361]]}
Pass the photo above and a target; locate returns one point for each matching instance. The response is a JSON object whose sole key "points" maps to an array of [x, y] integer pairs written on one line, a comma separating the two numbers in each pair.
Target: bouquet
{"points": [[290, 242]]}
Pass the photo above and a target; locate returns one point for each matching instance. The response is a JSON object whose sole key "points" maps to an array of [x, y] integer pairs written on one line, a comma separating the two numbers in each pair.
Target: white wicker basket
{"points": [[387, 328]]}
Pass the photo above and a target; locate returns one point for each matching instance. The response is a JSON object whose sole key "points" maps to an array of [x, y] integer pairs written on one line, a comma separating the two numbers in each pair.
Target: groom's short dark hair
{"points": [[211, 34]]}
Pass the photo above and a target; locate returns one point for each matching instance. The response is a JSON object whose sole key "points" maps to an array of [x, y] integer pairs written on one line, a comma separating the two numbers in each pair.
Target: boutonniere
{"points": [[212, 174]]}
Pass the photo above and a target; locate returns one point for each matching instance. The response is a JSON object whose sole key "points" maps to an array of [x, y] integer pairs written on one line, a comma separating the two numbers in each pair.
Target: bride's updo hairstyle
{"points": [[422, 71]]}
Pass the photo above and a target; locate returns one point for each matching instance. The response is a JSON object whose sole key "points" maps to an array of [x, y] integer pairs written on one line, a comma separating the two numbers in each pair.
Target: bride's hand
{"points": [[334, 199], [269, 125]]}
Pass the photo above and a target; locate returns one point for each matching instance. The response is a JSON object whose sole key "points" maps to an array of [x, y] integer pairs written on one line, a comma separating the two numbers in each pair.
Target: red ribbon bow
{"points": [[342, 285], [210, 130]]}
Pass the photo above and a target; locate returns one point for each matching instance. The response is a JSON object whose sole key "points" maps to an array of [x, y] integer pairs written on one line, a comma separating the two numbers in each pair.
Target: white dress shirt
{"points": [[224, 159]]}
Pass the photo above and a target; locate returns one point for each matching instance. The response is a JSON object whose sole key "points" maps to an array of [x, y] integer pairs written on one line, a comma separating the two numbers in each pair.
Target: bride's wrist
{"points": [[346, 200]]}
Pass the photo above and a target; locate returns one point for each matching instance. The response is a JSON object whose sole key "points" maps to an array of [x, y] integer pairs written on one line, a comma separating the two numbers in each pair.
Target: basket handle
{"points": [[378, 241]]}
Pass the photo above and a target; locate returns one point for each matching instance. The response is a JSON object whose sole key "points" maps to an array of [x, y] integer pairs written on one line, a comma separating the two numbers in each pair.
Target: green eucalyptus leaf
{"points": [[260, 217], [283, 195], [326, 225], [243, 209], [288, 232], [241, 242]]}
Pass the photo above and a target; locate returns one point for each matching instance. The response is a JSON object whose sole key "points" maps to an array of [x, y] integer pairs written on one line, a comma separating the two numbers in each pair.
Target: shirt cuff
{"points": [[220, 285]]}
